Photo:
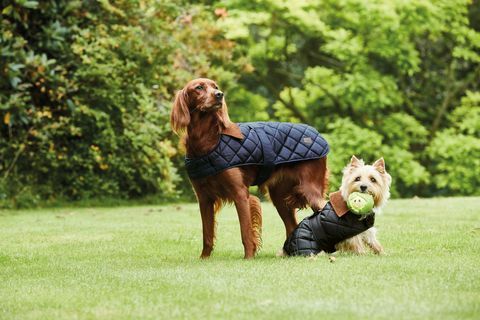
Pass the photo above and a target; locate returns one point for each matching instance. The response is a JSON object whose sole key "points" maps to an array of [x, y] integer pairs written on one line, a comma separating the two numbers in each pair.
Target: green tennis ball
{"points": [[360, 203]]}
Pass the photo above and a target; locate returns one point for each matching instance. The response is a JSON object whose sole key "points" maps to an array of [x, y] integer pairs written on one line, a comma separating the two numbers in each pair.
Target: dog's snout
{"points": [[363, 188], [218, 94]]}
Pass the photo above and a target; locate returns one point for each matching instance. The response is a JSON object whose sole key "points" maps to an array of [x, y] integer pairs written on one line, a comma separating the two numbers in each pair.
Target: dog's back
{"points": [[265, 144]]}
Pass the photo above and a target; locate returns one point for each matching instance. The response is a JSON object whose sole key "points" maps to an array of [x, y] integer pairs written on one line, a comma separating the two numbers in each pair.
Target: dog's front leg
{"points": [[370, 238], [208, 226], [243, 209]]}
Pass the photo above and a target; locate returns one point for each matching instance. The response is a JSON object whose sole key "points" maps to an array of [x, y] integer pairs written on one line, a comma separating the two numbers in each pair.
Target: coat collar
{"points": [[233, 130], [339, 205]]}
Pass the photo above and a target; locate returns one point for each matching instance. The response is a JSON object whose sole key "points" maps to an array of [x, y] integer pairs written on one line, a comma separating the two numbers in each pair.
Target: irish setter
{"points": [[200, 115]]}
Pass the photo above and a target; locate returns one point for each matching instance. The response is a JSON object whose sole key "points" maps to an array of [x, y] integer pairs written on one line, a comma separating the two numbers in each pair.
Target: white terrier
{"points": [[372, 179]]}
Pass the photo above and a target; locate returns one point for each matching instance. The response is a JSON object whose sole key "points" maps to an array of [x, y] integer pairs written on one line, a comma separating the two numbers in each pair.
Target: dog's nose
{"points": [[363, 188], [218, 94]]}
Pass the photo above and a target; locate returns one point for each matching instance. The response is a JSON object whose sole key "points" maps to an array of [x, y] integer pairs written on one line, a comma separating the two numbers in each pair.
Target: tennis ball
{"points": [[360, 203]]}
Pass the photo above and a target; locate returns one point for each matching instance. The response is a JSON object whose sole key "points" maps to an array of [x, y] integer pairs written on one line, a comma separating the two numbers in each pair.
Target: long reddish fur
{"points": [[291, 186]]}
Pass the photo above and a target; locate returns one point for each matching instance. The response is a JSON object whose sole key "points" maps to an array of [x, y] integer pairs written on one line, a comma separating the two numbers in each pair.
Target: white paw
{"points": [[281, 253]]}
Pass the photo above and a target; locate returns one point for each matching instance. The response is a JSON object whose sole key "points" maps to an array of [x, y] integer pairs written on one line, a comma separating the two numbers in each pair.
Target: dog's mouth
{"points": [[367, 191], [213, 107]]}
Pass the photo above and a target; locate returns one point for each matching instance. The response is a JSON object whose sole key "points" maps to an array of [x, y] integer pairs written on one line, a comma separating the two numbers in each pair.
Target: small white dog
{"points": [[335, 227], [372, 179]]}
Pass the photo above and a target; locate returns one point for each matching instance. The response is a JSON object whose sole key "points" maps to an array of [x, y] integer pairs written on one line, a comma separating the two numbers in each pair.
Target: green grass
{"points": [[142, 262]]}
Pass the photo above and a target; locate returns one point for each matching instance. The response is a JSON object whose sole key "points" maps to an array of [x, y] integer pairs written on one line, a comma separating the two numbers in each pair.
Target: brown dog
{"points": [[200, 111]]}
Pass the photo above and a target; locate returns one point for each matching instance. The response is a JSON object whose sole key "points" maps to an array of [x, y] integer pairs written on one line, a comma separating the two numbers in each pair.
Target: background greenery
{"points": [[86, 88]]}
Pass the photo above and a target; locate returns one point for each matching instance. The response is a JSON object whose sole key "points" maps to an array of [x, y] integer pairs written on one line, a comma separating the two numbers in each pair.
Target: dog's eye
{"points": [[216, 87], [357, 179], [373, 180], [199, 87]]}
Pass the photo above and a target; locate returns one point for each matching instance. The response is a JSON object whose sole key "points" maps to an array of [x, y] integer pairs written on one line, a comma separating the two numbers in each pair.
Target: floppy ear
{"points": [[354, 162], [223, 115], [180, 116], [379, 165]]}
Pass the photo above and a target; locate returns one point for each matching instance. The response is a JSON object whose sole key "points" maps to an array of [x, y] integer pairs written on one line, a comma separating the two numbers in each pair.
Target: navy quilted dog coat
{"points": [[265, 144], [325, 228]]}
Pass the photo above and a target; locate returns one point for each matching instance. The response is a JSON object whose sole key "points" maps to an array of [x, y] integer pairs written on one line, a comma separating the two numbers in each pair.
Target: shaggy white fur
{"points": [[372, 179]]}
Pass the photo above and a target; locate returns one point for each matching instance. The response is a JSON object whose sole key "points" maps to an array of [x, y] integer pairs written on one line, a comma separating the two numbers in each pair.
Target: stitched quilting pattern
{"points": [[323, 229], [287, 142]]}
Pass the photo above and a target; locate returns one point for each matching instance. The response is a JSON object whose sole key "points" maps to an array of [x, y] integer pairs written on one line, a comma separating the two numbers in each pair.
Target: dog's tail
{"points": [[256, 216]]}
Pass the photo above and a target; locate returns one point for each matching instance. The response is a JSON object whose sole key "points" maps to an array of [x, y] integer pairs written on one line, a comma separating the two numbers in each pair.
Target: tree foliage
{"points": [[85, 95], [381, 77], [454, 153], [86, 88]]}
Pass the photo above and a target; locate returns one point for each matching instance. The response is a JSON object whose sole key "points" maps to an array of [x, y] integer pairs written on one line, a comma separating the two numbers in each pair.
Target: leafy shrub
{"points": [[86, 88], [85, 95], [455, 152], [78, 103], [347, 139]]}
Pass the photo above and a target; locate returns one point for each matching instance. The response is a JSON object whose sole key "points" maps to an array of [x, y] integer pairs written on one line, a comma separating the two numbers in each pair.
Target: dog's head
{"points": [[199, 96], [372, 179]]}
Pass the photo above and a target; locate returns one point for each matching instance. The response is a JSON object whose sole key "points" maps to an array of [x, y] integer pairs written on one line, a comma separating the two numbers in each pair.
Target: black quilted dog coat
{"points": [[265, 144], [325, 228]]}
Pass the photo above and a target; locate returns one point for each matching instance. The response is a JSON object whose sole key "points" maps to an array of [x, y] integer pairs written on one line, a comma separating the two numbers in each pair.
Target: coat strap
{"points": [[268, 157]]}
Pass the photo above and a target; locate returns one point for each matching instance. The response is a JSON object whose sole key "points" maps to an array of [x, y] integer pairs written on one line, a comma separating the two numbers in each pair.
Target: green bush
{"points": [[86, 88], [347, 139], [455, 152], [86, 91], [380, 78], [455, 163], [78, 100]]}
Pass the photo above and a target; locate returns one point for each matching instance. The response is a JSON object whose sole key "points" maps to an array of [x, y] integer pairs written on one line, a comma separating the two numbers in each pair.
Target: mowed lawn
{"points": [[142, 263]]}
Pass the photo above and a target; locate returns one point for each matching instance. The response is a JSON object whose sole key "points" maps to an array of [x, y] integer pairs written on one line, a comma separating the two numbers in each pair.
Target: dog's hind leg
{"points": [[256, 217], [279, 193], [353, 245], [313, 183]]}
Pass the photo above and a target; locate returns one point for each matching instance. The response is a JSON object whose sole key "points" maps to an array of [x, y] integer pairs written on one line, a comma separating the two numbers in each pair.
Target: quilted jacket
{"points": [[325, 228], [265, 144]]}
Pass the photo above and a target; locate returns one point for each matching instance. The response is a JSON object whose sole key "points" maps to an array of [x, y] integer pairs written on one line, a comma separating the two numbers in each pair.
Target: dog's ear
{"points": [[379, 165], [223, 115], [388, 178], [354, 162], [180, 116]]}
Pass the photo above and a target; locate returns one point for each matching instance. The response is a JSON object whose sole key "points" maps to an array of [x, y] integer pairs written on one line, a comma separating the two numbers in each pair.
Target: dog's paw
{"points": [[281, 253], [312, 257]]}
